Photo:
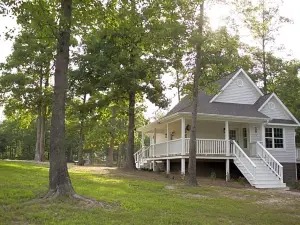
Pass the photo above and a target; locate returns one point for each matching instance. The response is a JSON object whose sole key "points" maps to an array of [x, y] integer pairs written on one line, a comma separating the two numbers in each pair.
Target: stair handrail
{"points": [[270, 161], [138, 156], [238, 152]]}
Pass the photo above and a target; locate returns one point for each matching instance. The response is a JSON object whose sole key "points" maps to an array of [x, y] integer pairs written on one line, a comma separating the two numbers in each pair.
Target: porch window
{"points": [[245, 141], [274, 137]]}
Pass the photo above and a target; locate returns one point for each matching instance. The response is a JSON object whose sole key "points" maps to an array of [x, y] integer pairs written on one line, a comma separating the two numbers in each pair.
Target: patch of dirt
{"points": [[170, 187], [198, 196], [77, 201], [93, 169], [274, 201]]}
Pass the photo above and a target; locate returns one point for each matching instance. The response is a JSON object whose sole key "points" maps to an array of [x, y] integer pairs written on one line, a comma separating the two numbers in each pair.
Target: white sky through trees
{"points": [[289, 37]]}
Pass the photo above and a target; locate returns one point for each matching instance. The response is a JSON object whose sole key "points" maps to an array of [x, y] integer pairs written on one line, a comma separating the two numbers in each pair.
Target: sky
{"points": [[289, 37]]}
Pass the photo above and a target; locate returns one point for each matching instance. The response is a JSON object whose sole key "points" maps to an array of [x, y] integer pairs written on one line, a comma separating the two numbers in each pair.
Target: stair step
{"points": [[271, 185], [257, 182]]}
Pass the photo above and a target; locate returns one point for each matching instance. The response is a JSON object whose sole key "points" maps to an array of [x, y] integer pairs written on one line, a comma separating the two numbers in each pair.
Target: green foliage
{"points": [[17, 141], [263, 20]]}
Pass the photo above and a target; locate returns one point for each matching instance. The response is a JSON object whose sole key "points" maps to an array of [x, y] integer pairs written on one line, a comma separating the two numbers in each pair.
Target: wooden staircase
{"points": [[262, 171]]}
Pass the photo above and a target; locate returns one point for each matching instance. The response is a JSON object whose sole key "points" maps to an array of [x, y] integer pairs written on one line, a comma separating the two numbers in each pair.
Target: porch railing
{"points": [[208, 146], [269, 160], [203, 147], [242, 157]]}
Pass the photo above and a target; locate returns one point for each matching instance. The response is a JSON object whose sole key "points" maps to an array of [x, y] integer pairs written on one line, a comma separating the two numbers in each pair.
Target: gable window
{"points": [[239, 82], [271, 105], [274, 137]]}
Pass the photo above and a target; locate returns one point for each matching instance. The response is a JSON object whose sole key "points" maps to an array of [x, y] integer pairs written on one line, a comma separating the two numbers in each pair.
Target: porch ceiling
{"points": [[160, 125]]}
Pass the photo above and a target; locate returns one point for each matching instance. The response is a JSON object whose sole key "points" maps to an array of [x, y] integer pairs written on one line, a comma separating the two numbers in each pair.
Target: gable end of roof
{"points": [[230, 81]]}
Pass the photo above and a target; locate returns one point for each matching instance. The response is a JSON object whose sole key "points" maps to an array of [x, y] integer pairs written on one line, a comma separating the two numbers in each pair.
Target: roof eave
{"points": [[284, 124]]}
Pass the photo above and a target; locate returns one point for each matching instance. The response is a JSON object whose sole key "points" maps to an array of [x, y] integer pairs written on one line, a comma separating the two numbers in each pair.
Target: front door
{"points": [[244, 141], [233, 135], [240, 135]]}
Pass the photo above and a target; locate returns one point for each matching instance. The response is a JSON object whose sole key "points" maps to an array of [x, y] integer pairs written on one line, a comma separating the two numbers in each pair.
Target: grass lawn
{"points": [[138, 198]]}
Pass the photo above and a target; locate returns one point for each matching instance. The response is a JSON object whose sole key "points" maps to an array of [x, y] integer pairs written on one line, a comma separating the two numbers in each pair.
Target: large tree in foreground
{"points": [[59, 179], [195, 90]]}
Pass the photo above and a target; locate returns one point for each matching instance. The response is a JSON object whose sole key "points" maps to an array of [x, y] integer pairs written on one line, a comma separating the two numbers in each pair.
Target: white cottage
{"points": [[239, 126]]}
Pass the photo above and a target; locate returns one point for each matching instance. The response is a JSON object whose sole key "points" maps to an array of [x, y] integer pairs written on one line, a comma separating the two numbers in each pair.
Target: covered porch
{"points": [[215, 138]]}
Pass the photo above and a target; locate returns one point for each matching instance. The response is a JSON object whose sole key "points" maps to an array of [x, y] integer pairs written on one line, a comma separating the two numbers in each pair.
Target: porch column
{"points": [[154, 166], [227, 138], [143, 139], [263, 140], [182, 166], [183, 135], [168, 166], [154, 142], [227, 170], [168, 139]]}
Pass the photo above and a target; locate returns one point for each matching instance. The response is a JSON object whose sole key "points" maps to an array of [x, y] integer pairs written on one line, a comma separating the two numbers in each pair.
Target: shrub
{"points": [[213, 175], [296, 185]]}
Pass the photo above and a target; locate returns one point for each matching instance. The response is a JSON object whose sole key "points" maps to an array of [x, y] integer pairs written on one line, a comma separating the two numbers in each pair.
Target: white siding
{"points": [[245, 94], [160, 138], [209, 129], [277, 113], [174, 128], [255, 136], [288, 154]]}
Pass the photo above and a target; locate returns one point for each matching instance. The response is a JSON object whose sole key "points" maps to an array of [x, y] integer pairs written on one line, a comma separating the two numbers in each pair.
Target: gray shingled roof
{"points": [[282, 121], [217, 108], [261, 100], [221, 82], [226, 109]]}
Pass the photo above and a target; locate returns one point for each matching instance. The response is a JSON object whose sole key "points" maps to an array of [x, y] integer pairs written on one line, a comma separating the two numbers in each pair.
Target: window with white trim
{"points": [[274, 137]]}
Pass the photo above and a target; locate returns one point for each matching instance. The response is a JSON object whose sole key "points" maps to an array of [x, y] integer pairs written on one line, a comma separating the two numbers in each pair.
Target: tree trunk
{"points": [[81, 134], [192, 150], [37, 156], [42, 138], [178, 86], [130, 150], [110, 155], [265, 89], [265, 80], [39, 126], [59, 179], [43, 126], [80, 150], [120, 153]]}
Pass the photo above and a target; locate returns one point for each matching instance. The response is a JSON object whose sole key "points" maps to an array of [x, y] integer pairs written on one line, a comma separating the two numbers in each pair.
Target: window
{"points": [[274, 137], [245, 140], [278, 137], [271, 105], [232, 134], [239, 82], [269, 138]]}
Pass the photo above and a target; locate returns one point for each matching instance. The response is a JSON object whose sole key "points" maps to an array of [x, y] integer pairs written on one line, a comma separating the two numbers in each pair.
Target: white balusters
{"points": [[242, 157], [270, 161]]}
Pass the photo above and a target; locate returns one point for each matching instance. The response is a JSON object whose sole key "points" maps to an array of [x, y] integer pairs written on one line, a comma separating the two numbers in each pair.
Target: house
{"points": [[239, 128]]}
